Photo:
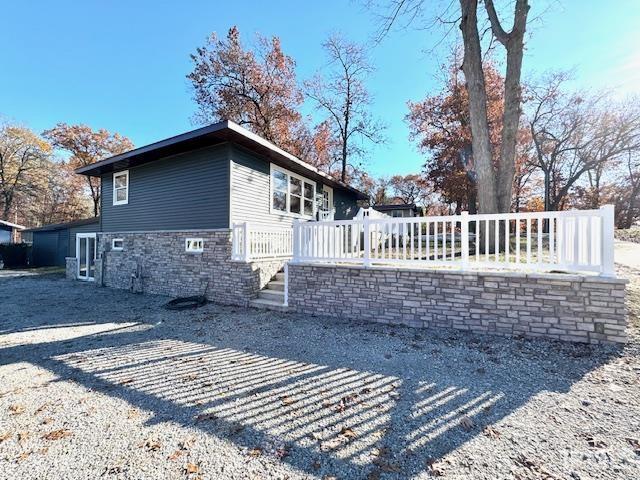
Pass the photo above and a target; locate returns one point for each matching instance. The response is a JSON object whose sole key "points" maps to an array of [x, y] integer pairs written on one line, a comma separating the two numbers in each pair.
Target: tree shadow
{"points": [[327, 395]]}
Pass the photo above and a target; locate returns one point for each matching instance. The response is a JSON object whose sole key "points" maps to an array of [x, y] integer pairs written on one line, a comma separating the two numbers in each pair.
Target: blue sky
{"points": [[121, 65]]}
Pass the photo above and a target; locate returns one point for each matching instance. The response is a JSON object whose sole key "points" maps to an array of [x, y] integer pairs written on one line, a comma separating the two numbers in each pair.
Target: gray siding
{"points": [[186, 191], [250, 190], [91, 228], [251, 193]]}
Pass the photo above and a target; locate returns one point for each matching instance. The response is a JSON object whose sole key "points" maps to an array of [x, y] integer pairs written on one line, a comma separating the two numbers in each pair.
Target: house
{"points": [[52, 244], [398, 210], [10, 232], [168, 211]]}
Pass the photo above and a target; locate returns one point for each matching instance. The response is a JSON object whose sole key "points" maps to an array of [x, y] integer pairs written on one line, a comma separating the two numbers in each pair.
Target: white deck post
{"points": [[296, 247], [247, 241], [607, 242], [367, 241], [464, 239]]}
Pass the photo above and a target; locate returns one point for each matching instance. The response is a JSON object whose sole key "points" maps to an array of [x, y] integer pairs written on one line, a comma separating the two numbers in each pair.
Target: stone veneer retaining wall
{"points": [[556, 306], [161, 266], [71, 269]]}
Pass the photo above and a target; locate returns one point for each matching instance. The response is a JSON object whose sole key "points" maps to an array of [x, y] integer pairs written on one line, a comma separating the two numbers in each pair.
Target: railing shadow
{"points": [[323, 388]]}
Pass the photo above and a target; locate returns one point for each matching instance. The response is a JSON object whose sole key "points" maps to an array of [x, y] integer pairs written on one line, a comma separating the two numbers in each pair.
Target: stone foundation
{"points": [[71, 268], [555, 306], [156, 262]]}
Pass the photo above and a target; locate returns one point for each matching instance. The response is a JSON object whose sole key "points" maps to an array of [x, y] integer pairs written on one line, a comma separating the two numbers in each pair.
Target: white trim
{"points": [[126, 200], [287, 213], [113, 244], [95, 256], [190, 248]]}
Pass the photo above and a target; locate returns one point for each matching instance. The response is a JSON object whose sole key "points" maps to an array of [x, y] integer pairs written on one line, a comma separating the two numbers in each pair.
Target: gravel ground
{"points": [[103, 383]]}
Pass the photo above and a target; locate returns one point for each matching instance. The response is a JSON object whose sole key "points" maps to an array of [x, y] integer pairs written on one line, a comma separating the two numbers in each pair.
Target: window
{"points": [[194, 245], [117, 244], [292, 194], [121, 188]]}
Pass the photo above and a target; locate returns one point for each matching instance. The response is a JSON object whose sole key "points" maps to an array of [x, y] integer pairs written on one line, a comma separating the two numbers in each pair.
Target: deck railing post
{"points": [[296, 247], [367, 241], [607, 241], [464, 239], [246, 241]]}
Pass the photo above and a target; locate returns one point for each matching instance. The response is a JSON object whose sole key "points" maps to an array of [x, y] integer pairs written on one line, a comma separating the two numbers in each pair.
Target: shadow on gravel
{"points": [[328, 396]]}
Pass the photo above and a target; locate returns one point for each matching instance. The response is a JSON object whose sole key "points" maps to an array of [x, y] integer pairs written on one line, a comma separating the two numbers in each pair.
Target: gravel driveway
{"points": [[102, 383]]}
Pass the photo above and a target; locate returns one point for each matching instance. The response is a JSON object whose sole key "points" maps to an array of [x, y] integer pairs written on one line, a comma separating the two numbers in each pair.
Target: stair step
{"points": [[274, 295], [268, 305], [276, 285], [280, 276]]}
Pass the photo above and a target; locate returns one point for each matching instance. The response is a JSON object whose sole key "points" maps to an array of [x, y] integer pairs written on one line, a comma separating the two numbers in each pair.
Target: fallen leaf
{"points": [[46, 421], [347, 433], [175, 455], [491, 432], [41, 407], [287, 401], [191, 377], [57, 434], [466, 423], [191, 468], [5, 436], [23, 436], [203, 417], [374, 475], [16, 409], [151, 444], [255, 452], [126, 381], [23, 456], [385, 466]]}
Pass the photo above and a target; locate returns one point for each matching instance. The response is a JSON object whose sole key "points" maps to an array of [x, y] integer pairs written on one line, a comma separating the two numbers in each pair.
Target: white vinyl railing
{"points": [[578, 240], [255, 242]]}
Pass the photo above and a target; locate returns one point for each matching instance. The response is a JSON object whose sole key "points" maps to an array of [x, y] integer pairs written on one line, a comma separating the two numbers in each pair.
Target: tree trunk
{"points": [[514, 43], [474, 77]]}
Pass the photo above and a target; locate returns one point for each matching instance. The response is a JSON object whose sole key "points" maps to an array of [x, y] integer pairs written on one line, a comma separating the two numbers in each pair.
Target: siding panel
{"points": [[186, 191]]}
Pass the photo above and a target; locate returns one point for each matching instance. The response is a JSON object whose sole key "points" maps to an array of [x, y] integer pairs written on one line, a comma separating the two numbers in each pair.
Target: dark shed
{"points": [[51, 244]]}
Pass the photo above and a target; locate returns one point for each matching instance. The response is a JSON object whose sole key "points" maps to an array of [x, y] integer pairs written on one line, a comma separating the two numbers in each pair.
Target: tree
{"points": [[576, 134], [441, 126], [494, 180], [411, 188], [22, 157], [85, 147], [343, 96], [254, 88]]}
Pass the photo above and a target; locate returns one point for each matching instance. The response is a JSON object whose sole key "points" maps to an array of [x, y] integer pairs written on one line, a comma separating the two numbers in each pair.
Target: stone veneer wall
{"points": [[555, 306], [71, 270], [156, 262]]}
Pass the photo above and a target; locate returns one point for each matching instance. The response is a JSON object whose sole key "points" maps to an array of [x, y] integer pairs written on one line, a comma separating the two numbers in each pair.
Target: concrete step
{"points": [[276, 285], [280, 276], [273, 295], [268, 305]]}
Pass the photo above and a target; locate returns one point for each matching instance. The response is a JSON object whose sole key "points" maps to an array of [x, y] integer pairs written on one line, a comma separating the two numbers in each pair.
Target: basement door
{"points": [[86, 256]]}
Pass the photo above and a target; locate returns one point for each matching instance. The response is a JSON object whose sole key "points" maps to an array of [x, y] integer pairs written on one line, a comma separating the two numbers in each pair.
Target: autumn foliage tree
{"points": [[23, 156], [255, 88], [86, 146], [441, 126]]}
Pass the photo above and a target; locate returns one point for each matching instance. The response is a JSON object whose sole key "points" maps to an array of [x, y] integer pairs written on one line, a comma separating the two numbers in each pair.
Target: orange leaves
{"points": [[57, 434]]}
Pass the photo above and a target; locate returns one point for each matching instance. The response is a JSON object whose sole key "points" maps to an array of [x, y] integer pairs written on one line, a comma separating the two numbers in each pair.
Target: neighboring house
{"points": [[52, 244], [398, 210], [168, 209], [10, 232]]}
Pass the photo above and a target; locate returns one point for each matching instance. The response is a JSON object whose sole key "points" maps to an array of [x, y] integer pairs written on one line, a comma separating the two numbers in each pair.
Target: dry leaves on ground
{"points": [[57, 434], [151, 444], [17, 409], [491, 432], [5, 436], [466, 423], [191, 468]]}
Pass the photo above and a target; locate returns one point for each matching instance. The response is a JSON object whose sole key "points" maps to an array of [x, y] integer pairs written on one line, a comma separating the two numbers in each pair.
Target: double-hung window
{"points": [[121, 188], [292, 194]]}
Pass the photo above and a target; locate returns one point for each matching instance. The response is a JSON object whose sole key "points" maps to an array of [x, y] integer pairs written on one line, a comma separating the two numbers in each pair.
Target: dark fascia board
{"points": [[61, 226], [395, 206], [221, 132]]}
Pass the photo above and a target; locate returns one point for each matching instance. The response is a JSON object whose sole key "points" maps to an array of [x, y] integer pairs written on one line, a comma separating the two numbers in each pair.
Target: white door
{"points": [[86, 256]]}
